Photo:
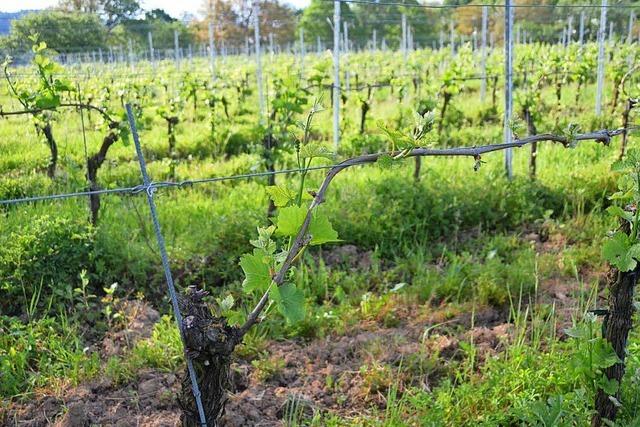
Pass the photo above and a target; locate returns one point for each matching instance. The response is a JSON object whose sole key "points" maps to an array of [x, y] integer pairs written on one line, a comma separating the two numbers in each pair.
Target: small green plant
{"points": [[622, 251], [40, 100], [267, 369], [592, 356]]}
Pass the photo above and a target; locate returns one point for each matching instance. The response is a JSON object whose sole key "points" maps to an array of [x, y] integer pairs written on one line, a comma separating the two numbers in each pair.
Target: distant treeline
{"points": [[87, 25]]}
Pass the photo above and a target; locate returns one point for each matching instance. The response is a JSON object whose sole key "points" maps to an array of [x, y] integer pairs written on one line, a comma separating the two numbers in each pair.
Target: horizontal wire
{"points": [[480, 5], [153, 186]]}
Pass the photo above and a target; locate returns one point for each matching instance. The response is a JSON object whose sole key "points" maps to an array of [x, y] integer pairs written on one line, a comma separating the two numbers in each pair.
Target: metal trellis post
{"points": [[165, 260], [508, 85], [581, 39], [176, 47], [151, 52], [483, 54], [212, 51], [601, 35], [336, 74], [404, 39], [256, 34]]}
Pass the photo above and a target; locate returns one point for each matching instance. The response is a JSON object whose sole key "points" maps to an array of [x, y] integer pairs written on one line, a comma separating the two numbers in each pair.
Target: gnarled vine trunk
{"points": [[172, 122], [269, 144], [531, 129], [445, 104], [618, 324], [53, 148], [93, 165], [209, 343], [493, 92], [625, 124], [364, 109]]}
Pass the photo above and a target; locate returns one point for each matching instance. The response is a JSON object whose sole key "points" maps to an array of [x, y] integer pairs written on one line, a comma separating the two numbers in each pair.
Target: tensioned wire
{"points": [[157, 185], [152, 186], [480, 5]]}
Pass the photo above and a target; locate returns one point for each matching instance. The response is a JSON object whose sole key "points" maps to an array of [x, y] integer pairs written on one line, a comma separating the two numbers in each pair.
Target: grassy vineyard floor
{"points": [[397, 361], [458, 299]]}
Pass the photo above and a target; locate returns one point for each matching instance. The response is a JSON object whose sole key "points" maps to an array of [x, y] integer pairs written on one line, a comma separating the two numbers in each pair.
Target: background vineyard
{"points": [[426, 258]]}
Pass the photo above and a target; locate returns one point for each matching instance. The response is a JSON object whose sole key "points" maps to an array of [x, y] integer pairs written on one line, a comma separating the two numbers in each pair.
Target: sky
{"points": [[175, 8]]}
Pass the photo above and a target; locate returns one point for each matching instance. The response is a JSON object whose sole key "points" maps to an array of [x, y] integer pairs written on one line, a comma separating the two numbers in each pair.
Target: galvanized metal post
{"points": [[336, 74], [601, 36], [212, 50], [483, 54], [302, 49], [403, 42], [508, 85], [151, 52], [581, 40], [256, 34], [452, 36], [176, 47]]}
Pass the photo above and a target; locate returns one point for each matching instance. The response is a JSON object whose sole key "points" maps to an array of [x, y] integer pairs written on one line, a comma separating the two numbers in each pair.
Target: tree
{"points": [[233, 21], [386, 20], [158, 15], [85, 6], [61, 31], [315, 19], [279, 20], [159, 24], [113, 12], [117, 11]]}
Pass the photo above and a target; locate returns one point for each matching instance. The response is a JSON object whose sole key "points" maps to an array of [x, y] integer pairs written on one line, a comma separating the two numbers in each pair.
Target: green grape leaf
{"points": [[321, 230], [579, 331], [313, 150], [226, 303], [264, 241], [124, 133], [47, 100], [618, 211], [280, 195], [620, 253], [603, 355], [622, 195], [289, 300], [256, 271], [290, 220], [63, 85]]}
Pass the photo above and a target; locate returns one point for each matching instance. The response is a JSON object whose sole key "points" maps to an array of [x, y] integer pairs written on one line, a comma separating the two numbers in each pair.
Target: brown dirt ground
{"points": [[346, 374]]}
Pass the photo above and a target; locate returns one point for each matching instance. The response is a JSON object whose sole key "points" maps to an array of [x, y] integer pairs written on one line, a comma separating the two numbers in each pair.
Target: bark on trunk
{"points": [[53, 149], [93, 165], [416, 170], [616, 94], [625, 124], [445, 104], [171, 133], [364, 108], [531, 129], [618, 325], [270, 143], [209, 343], [493, 93]]}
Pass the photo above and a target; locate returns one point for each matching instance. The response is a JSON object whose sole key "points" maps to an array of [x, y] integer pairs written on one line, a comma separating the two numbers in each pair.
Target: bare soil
{"points": [[346, 374]]}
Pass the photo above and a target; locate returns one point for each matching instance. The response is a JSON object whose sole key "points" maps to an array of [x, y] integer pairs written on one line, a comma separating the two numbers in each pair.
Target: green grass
{"points": [[454, 241]]}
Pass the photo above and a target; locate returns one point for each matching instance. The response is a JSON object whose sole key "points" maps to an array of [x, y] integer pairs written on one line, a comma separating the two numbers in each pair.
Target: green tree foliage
{"points": [[158, 23], [315, 19], [61, 31], [113, 12]]}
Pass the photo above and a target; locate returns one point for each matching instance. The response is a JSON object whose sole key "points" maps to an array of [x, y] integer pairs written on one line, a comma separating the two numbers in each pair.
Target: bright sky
{"points": [[173, 7]]}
